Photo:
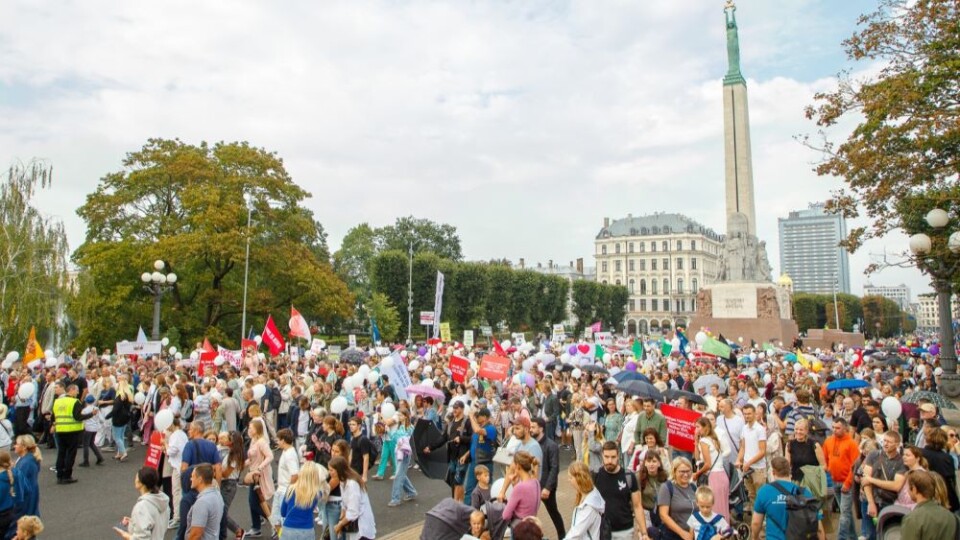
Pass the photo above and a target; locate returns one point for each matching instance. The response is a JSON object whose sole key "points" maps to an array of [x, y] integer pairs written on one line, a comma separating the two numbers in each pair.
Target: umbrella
{"points": [[689, 396], [936, 399], [566, 367], [433, 465], [593, 368], [424, 390], [353, 356], [847, 384], [707, 381], [640, 389], [625, 376]]}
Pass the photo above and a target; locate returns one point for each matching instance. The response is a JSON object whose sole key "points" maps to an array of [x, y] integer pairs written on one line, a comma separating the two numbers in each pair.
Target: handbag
{"points": [[503, 456]]}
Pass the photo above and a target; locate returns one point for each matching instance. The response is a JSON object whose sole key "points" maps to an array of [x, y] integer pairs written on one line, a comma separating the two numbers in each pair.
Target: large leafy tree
{"points": [[907, 138], [386, 316], [423, 234], [352, 261], [33, 260], [184, 204]]}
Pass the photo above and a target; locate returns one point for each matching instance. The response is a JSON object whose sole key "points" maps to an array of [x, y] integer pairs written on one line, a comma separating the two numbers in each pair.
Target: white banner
{"points": [[142, 348], [235, 358], [468, 338], [398, 375], [438, 305]]}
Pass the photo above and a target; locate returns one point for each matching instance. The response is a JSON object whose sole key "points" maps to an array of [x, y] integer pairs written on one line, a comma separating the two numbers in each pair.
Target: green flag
{"points": [[716, 348], [598, 351], [665, 347], [637, 349]]}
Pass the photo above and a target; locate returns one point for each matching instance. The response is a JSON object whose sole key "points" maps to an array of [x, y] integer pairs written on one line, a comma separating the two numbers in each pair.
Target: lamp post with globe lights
{"points": [[935, 257], [157, 283]]}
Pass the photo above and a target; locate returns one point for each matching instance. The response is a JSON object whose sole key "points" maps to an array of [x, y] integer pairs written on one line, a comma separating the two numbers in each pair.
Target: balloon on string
{"points": [[427, 382], [576, 373], [349, 383], [565, 357], [414, 365], [26, 390], [173, 350], [139, 398], [607, 357], [51, 362], [891, 407], [387, 362], [471, 356], [165, 341], [498, 485], [194, 356], [403, 354], [631, 366], [163, 420], [506, 344], [338, 405], [178, 355], [373, 377], [428, 369], [259, 390], [421, 350], [363, 370], [50, 353], [218, 361], [700, 338], [13, 356], [388, 411], [528, 364], [572, 350]]}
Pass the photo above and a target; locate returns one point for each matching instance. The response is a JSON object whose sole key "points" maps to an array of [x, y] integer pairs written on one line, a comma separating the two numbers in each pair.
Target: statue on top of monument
{"points": [[733, 42]]}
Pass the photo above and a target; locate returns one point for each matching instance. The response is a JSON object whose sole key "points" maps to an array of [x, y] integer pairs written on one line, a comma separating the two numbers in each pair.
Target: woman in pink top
{"points": [[259, 458], [523, 475]]}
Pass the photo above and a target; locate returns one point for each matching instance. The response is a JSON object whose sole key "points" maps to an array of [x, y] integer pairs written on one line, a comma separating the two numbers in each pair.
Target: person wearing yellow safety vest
{"points": [[68, 426]]}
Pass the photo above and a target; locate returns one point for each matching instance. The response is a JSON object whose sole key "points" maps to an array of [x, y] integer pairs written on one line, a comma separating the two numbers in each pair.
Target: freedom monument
{"points": [[744, 301]]}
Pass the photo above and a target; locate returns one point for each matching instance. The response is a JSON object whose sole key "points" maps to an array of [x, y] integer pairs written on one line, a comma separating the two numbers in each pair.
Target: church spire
{"points": [[733, 47]]}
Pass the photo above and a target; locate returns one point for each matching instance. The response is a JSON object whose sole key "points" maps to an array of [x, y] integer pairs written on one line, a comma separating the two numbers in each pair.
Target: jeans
{"points": [[552, 430], [868, 529], [275, 509], [90, 443], [298, 534], [845, 530], [119, 436], [331, 515], [402, 483], [256, 514], [186, 503], [228, 490]]}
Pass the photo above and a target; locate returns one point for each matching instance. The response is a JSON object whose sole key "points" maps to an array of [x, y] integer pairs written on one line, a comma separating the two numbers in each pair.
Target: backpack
{"points": [[708, 529], [802, 514], [186, 411], [275, 399]]}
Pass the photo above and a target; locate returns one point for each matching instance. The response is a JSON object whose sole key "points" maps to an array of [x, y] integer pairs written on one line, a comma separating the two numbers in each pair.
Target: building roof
{"points": [[656, 224]]}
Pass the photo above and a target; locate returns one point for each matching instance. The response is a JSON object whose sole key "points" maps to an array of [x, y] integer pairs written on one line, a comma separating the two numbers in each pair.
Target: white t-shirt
{"points": [[694, 523], [752, 435], [303, 423], [732, 433], [288, 465]]}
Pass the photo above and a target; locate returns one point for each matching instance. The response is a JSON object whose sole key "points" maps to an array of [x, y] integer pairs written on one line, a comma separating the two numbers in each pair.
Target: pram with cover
{"points": [[448, 520]]}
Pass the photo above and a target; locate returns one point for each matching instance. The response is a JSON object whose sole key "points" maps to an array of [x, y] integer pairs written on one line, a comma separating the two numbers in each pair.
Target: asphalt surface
{"points": [[105, 494]]}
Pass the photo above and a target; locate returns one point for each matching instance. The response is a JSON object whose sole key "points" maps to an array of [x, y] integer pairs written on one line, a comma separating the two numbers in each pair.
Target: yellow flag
{"points": [[802, 359], [34, 350]]}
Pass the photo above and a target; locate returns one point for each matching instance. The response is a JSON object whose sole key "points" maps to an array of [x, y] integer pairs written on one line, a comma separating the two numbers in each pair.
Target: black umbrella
{"points": [[593, 368], [565, 367], [433, 465], [640, 389], [689, 396], [353, 356]]}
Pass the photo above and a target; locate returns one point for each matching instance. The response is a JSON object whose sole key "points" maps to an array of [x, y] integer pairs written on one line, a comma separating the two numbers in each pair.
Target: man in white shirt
{"points": [[174, 441], [731, 424], [752, 460], [288, 466]]}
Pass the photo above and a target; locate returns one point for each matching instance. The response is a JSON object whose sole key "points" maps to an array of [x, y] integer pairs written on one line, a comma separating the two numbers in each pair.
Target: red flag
{"points": [[858, 358], [207, 346], [458, 368], [244, 343], [205, 365], [298, 325], [498, 349], [272, 337]]}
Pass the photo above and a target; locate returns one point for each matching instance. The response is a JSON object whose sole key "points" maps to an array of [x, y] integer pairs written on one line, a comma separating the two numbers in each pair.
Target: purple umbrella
{"points": [[424, 390]]}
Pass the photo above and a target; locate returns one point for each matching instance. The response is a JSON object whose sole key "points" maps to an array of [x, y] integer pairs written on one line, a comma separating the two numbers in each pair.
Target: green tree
{"points": [[184, 204], [385, 313], [807, 309], [352, 261], [423, 234], [466, 300], [389, 275], [908, 114], [499, 290], [586, 298], [615, 306], [33, 260]]}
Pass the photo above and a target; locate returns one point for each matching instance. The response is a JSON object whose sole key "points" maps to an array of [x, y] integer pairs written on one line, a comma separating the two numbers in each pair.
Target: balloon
{"points": [[421, 350], [163, 420], [427, 356], [583, 348], [607, 357], [572, 350], [516, 356], [27, 390], [194, 356], [173, 350], [675, 343], [413, 365], [403, 354], [258, 340], [51, 353], [700, 338], [165, 341], [817, 366], [373, 377], [891, 407], [387, 362], [471, 356], [387, 411], [565, 357], [576, 373], [498, 485], [261, 356], [51, 362], [218, 361], [178, 355], [13, 356], [528, 364], [364, 370], [427, 382], [338, 405], [139, 398], [349, 383], [631, 366], [767, 379], [259, 391], [506, 344]]}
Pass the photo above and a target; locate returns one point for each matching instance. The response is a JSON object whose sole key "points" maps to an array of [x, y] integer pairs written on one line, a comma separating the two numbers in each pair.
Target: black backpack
{"points": [[275, 399], [802, 514]]}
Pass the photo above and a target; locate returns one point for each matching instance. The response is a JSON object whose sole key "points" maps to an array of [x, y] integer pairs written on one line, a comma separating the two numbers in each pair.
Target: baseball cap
{"points": [[523, 421], [928, 408], [90, 399]]}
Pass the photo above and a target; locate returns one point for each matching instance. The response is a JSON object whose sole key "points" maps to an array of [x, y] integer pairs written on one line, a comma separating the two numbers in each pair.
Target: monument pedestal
{"points": [[753, 311]]}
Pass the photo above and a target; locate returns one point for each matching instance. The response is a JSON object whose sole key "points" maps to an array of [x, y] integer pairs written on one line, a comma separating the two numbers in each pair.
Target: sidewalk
{"points": [[565, 502]]}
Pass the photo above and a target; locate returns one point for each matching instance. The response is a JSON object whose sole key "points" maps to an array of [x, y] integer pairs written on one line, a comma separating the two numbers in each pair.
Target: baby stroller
{"points": [[448, 520], [739, 502]]}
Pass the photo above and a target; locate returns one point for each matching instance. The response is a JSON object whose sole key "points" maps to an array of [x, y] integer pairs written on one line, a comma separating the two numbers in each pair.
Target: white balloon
{"points": [[700, 338], [427, 382], [50, 353], [163, 420], [428, 369], [607, 357], [13, 356], [471, 356], [516, 355], [388, 411], [506, 344], [173, 350], [258, 339], [27, 390], [364, 370], [767, 379], [576, 373], [259, 391], [51, 362], [349, 383], [498, 485], [178, 355], [261, 356], [474, 365], [428, 356], [373, 377], [387, 362], [323, 344], [194, 355], [165, 341], [891, 407], [413, 365], [338, 405], [7, 363], [218, 361], [139, 398]]}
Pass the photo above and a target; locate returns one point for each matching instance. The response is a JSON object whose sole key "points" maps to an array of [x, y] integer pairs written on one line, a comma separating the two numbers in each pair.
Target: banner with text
{"points": [[494, 367], [154, 451], [458, 368], [142, 348], [468, 339], [445, 334], [681, 427], [438, 305], [398, 374], [235, 358]]}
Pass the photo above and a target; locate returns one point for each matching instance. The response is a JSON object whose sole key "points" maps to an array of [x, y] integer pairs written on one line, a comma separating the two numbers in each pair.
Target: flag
{"points": [[858, 358], [595, 327], [438, 305], [684, 342], [803, 360], [374, 331], [250, 340], [33, 351], [637, 349], [298, 325], [498, 348], [207, 346], [716, 348], [141, 336], [665, 347], [598, 351], [272, 337]]}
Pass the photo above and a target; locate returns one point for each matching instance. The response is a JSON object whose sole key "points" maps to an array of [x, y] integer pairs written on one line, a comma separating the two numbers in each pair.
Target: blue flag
{"points": [[684, 342], [374, 330]]}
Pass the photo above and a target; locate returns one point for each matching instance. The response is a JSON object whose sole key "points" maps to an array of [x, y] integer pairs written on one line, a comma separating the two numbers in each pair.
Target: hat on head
{"points": [[90, 399], [523, 421], [928, 408]]}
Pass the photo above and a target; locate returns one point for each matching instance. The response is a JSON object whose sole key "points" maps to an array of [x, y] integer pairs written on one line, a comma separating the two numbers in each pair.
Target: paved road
{"points": [[103, 495]]}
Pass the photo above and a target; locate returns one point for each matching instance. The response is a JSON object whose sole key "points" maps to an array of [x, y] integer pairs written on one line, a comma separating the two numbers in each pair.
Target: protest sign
{"points": [[316, 347], [559, 334], [154, 451], [518, 339], [235, 358], [398, 374], [141, 348], [458, 368], [468, 338], [206, 366], [426, 318], [603, 338], [494, 367], [352, 341], [486, 331], [445, 332], [333, 353], [681, 427]]}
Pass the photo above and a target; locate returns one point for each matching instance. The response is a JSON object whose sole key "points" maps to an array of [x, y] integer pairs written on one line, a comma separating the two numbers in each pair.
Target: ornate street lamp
{"points": [[942, 269], [157, 283]]}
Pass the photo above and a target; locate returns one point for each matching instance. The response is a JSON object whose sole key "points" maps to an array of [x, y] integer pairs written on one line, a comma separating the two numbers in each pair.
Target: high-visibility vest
{"points": [[63, 415]]}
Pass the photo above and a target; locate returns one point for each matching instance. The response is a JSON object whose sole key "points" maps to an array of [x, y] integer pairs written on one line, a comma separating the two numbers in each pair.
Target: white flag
{"points": [[438, 305]]}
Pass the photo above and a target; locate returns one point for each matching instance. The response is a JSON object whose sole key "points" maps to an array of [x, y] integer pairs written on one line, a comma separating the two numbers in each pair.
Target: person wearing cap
{"points": [[483, 443], [91, 426], [928, 412], [520, 439]]}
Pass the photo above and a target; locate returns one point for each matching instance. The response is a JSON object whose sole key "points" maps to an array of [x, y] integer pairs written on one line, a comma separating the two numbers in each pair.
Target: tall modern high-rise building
{"points": [[810, 252]]}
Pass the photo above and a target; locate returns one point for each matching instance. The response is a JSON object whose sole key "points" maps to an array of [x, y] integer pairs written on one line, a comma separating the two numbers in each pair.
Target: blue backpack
{"points": [[708, 529]]}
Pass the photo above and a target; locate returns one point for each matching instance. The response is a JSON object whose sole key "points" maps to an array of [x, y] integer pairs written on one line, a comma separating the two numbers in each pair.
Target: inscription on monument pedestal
{"points": [[734, 301]]}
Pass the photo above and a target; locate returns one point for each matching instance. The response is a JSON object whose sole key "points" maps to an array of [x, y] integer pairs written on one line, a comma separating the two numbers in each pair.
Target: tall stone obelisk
{"points": [[736, 127]]}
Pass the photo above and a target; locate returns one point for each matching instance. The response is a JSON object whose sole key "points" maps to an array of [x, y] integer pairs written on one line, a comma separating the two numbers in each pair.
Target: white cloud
{"points": [[523, 124]]}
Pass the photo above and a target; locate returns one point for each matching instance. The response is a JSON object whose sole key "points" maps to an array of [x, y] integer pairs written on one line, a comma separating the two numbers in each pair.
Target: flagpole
{"points": [[246, 265]]}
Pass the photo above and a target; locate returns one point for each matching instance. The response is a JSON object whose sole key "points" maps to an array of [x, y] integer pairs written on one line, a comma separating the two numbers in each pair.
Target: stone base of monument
{"points": [[753, 311]]}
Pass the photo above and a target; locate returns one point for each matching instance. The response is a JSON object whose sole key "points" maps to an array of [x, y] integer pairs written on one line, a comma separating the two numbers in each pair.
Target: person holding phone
{"points": [[148, 520]]}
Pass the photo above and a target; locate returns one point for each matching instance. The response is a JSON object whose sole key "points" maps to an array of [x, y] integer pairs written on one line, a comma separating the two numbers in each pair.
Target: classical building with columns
{"points": [[663, 260]]}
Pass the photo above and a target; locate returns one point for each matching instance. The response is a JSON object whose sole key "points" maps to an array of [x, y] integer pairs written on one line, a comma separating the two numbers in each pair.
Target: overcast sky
{"points": [[521, 123]]}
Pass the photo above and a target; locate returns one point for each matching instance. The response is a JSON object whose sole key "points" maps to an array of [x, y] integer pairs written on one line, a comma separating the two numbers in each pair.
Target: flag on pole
{"points": [[298, 325], [438, 305], [250, 340], [272, 337], [598, 351], [374, 330], [716, 348], [207, 346], [498, 348], [637, 349], [33, 351], [595, 327], [141, 336], [684, 342], [665, 347]]}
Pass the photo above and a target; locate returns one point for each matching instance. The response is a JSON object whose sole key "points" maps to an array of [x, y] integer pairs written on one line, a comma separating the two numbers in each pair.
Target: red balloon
{"points": [[583, 348]]}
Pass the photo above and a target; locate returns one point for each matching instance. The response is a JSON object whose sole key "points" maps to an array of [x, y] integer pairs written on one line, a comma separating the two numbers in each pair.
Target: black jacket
{"points": [[455, 450], [551, 407], [550, 468]]}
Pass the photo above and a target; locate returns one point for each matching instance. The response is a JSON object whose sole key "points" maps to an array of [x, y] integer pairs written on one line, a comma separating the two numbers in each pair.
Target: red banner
{"points": [[681, 427], [272, 337], [458, 369], [154, 451], [494, 368], [205, 366]]}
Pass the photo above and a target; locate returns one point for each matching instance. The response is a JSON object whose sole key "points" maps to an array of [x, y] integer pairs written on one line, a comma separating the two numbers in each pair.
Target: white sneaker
{"points": [[173, 524]]}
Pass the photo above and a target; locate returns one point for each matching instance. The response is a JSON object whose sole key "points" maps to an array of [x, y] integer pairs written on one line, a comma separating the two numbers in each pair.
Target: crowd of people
{"points": [[306, 437]]}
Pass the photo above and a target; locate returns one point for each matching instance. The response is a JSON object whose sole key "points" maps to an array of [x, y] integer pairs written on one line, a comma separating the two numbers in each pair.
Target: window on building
{"points": [[679, 245], [643, 305], [616, 266], [666, 286], [654, 304], [693, 304], [616, 247], [679, 264], [618, 282], [653, 246], [643, 247], [630, 247], [604, 282], [666, 264], [683, 305], [653, 286], [631, 306], [603, 266], [677, 304], [693, 285], [653, 264], [643, 265], [631, 265], [643, 286], [693, 245], [666, 304], [693, 263], [631, 286], [665, 245], [679, 285], [603, 249]]}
